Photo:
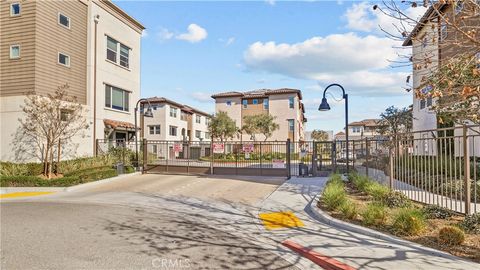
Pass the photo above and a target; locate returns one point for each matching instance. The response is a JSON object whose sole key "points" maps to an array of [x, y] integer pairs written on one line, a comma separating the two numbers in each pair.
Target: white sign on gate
{"points": [[218, 148], [278, 163]]}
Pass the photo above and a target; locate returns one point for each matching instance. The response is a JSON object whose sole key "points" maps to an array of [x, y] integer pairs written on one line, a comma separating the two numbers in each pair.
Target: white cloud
{"points": [[228, 41], [144, 33], [270, 2], [359, 63], [202, 97], [195, 33], [164, 34], [362, 17]]}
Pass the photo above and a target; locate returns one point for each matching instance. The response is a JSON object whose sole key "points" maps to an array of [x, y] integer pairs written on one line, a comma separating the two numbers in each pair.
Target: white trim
{"points": [[69, 20], [11, 10], [68, 57], [19, 51]]}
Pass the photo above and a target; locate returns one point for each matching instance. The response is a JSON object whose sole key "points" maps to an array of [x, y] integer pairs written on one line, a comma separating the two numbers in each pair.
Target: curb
{"points": [[333, 222], [5, 190], [323, 261]]}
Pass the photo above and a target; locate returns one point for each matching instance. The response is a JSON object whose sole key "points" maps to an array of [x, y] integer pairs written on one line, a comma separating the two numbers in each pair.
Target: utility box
{"points": [[302, 169], [120, 168]]}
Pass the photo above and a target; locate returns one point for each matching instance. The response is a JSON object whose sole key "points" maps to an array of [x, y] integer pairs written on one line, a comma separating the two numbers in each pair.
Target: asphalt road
{"points": [[142, 222]]}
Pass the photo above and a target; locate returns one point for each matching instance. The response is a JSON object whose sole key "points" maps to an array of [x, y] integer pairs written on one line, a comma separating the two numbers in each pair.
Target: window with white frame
{"points": [[291, 102], [255, 101], [291, 125], [155, 129], [64, 20], [265, 104], [245, 103], [198, 119], [198, 134], [173, 112], [14, 51], [207, 135], [116, 98], [172, 131], [15, 9], [229, 103], [63, 59], [207, 121], [118, 52]]}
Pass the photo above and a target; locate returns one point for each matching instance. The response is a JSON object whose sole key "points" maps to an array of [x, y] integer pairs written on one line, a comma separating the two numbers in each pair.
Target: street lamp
{"points": [[324, 106], [148, 113]]}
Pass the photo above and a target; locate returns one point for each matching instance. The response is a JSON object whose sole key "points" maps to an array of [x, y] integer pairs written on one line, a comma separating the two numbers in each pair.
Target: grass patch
{"points": [[374, 214], [451, 236], [409, 221]]}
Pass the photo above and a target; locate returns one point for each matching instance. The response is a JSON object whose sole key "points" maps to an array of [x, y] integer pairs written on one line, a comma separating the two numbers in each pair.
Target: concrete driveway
{"points": [[143, 222]]}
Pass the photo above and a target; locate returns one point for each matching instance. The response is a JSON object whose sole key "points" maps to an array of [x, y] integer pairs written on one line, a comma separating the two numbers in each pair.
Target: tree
{"points": [[260, 124], [222, 126], [319, 135], [51, 121], [452, 29], [394, 121]]}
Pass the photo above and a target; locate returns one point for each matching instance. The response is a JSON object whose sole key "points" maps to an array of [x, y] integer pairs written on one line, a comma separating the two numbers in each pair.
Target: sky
{"points": [[191, 50]]}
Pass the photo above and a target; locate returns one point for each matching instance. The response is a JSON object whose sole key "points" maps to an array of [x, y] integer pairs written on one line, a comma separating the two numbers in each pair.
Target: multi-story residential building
{"points": [[285, 104], [367, 128], [173, 121], [91, 45]]}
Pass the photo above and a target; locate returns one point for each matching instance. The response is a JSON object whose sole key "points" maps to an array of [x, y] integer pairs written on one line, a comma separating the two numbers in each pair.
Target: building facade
{"points": [[93, 46], [284, 104], [367, 128]]}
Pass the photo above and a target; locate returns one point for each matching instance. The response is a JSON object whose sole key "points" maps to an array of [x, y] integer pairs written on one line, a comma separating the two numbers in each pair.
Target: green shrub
{"points": [[396, 199], [334, 194], [129, 169], [21, 181], [11, 169], [349, 209], [451, 236], [434, 211], [335, 178], [409, 221], [360, 182], [374, 214], [376, 190], [471, 223]]}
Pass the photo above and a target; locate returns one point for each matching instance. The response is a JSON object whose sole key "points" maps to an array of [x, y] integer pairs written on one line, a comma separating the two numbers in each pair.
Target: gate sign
{"points": [[177, 147], [278, 163], [248, 148], [218, 148]]}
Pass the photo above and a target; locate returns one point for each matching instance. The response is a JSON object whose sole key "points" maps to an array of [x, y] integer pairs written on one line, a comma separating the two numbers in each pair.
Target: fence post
{"points": [[466, 174], [145, 155], [96, 147], [211, 155], [314, 159], [390, 160], [353, 154], [289, 173], [367, 153], [261, 165]]}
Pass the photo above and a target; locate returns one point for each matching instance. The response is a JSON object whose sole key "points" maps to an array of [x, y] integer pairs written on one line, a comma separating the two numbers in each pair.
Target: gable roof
{"points": [[429, 14], [366, 123], [182, 107], [259, 93]]}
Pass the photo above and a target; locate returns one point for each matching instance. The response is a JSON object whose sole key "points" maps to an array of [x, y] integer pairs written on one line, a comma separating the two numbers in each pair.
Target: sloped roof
{"points": [[259, 93], [182, 107], [429, 14], [366, 122], [118, 124]]}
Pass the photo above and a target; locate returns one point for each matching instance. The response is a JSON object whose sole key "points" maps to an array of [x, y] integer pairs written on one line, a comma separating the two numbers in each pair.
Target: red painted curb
{"points": [[325, 262]]}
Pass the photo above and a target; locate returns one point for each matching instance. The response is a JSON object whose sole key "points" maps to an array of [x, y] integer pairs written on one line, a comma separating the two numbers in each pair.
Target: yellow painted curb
{"points": [[278, 220], [24, 194]]}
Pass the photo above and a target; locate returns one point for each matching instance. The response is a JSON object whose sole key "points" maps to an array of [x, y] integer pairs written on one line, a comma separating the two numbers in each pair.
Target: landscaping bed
{"points": [[365, 202]]}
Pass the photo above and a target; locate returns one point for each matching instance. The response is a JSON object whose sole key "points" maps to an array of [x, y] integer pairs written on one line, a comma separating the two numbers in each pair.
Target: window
{"points": [[255, 101], [183, 116], [15, 9], [64, 114], [356, 129], [291, 125], [429, 101], [198, 134], [172, 131], [245, 103], [422, 104], [173, 112], [458, 7], [265, 103], [64, 20], [124, 51], [207, 121], [207, 135], [291, 102], [112, 49], [14, 51], [443, 31], [154, 129], [116, 98], [198, 119], [64, 59], [229, 103]]}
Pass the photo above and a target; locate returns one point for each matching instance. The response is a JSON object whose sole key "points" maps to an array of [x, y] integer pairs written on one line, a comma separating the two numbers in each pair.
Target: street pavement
{"points": [[143, 222]]}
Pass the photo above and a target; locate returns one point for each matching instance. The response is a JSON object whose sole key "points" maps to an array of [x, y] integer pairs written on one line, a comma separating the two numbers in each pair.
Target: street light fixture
{"points": [[147, 113], [324, 106]]}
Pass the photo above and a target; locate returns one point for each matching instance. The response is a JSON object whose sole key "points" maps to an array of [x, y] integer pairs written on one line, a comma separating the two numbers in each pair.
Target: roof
{"points": [[118, 124], [123, 14], [366, 122], [421, 23], [182, 107], [340, 133], [259, 93]]}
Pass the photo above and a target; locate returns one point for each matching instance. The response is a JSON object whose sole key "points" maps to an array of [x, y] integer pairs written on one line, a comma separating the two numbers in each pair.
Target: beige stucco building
{"points": [[93, 46], [284, 104], [358, 130]]}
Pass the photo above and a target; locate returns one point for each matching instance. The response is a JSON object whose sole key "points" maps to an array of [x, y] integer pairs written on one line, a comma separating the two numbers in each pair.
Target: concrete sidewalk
{"points": [[355, 249]]}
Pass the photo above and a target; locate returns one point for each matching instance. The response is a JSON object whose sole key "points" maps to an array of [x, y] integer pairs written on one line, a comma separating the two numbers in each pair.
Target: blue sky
{"points": [[193, 49]]}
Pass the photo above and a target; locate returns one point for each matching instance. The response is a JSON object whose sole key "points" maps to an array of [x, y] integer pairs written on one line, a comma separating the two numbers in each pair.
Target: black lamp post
{"points": [[324, 106], [148, 113]]}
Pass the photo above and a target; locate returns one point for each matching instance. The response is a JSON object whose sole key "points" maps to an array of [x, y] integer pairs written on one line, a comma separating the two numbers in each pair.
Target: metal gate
{"points": [[324, 161]]}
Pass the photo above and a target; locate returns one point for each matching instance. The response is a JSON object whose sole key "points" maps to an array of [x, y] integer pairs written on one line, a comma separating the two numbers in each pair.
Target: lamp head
{"points": [[324, 105], [148, 113]]}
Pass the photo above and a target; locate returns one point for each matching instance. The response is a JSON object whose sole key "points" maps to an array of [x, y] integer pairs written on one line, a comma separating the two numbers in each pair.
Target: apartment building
{"points": [[367, 128], [285, 104], [173, 121], [93, 46]]}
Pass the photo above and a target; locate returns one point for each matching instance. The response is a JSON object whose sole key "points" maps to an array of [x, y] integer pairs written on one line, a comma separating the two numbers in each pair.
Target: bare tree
{"points": [[50, 122], [446, 45]]}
